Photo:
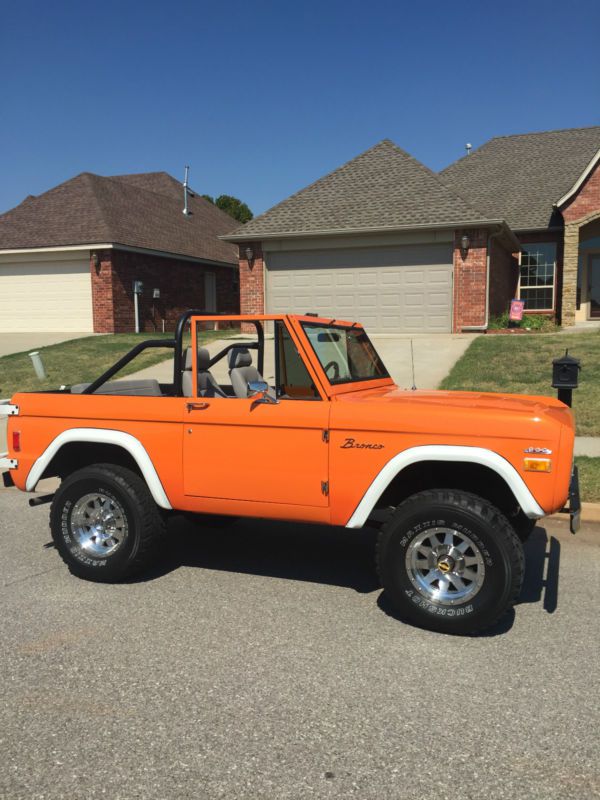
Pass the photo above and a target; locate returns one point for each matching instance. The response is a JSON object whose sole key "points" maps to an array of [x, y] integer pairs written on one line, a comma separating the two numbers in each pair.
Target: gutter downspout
{"points": [[487, 287]]}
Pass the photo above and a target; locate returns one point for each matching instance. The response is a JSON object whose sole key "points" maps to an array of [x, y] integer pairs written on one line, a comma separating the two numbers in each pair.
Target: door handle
{"points": [[197, 406]]}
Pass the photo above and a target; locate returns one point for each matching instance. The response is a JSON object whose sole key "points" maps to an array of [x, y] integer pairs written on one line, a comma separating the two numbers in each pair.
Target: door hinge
{"points": [[325, 487], [325, 436]]}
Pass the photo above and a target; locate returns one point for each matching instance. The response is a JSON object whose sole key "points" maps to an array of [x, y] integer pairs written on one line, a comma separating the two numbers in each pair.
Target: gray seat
{"points": [[242, 371], [207, 385]]}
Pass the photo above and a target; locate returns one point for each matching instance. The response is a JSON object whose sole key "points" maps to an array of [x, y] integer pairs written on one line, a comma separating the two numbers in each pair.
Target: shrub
{"points": [[533, 322]]}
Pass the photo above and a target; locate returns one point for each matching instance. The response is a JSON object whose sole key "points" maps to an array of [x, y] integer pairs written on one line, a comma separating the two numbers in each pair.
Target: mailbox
{"points": [[565, 376]]}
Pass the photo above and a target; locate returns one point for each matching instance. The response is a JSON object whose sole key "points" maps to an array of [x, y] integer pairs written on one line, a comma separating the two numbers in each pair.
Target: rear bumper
{"points": [[7, 463], [574, 507], [7, 480]]}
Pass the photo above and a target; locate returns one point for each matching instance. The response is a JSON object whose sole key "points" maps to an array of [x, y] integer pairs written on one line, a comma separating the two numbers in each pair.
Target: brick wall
{"points": [[181, 285], [504, 276], [252, 286], [470, 275], [586, 201], [102, 291]]}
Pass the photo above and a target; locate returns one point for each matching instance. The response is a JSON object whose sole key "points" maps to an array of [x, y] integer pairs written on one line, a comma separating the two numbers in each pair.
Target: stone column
{"points": [[570, 263]]}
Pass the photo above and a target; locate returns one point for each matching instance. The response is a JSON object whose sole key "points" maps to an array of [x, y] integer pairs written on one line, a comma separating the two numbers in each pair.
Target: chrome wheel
{"points": [[445, 566], [98, 524]]}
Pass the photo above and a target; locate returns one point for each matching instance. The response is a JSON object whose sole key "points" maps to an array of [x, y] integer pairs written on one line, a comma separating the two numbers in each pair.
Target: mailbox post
{"points": [[565, 377]]}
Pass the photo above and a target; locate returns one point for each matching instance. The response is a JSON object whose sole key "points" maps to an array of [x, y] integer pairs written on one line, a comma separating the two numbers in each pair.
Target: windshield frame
{"points": [[332, 325]]}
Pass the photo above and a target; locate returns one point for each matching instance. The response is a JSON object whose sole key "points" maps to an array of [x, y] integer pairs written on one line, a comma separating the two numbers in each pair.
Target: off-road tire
{"points": [[142, 531], [472, 519]]}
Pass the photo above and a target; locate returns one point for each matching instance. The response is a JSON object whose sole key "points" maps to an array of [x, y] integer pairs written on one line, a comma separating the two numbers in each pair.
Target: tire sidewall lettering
{"points": [[423, 605]]}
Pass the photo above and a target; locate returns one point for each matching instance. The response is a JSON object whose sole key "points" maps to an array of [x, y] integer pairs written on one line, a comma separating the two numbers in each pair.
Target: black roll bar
{"points": [[176, 345], [135, 351]]}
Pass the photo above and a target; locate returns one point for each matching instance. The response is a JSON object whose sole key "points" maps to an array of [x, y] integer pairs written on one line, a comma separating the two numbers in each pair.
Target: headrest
{"points": [[239, 357], [203, 359]]}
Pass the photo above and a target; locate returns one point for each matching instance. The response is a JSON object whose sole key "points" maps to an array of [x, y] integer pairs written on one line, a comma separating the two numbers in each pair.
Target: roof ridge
{"points": [[388, 143], [196, 194], [115, 179], [542, 133], [92, 178], [450, 189], [318, 180]]}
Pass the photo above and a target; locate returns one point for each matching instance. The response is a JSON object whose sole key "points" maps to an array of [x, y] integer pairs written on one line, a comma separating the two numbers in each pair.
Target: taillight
{"points": [[16, 441]]}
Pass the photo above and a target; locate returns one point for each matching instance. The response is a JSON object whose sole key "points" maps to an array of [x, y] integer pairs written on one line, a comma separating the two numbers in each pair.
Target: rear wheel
{"points": [[105, 523], [450, 561]]}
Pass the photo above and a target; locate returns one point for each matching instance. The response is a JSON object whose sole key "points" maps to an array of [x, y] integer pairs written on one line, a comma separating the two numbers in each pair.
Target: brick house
{"points": [[385, 240], [69, 257]]}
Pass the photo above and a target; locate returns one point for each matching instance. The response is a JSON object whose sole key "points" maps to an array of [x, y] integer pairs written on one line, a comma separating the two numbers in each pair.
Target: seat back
{"points": [[242, 371], [207, 385]]}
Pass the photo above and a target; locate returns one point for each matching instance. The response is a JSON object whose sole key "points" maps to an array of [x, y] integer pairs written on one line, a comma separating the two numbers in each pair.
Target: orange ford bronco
{"points": [[453, 480]]}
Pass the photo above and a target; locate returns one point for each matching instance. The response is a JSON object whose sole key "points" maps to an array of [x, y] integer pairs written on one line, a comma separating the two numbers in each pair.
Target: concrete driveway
{"points": [[261, 661], [24, 342]]}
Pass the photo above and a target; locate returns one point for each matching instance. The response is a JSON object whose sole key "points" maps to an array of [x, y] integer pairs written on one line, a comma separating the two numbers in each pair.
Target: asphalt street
{"points": [[261, 661]]}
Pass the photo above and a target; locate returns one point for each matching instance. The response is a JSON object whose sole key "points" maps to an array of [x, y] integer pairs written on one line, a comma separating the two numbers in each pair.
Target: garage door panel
{"points": [[390, 289], [46, 296]]}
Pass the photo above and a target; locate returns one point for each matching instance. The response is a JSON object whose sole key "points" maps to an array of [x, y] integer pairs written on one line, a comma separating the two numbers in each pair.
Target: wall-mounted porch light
{"points": [[249, 255], [96, 261], [465, 243]]}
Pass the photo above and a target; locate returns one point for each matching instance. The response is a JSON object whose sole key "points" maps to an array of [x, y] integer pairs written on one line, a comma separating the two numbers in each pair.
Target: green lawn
{"points": [[589, 478], [523, 365], [82, 360]]}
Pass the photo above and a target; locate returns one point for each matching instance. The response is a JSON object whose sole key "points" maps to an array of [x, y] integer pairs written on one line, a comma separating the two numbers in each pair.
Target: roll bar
{"points": [[176, 345], [180, 330]]}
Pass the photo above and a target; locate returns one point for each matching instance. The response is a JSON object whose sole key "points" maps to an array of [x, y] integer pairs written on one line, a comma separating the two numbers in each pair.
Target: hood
{"points": [[451, 412]]}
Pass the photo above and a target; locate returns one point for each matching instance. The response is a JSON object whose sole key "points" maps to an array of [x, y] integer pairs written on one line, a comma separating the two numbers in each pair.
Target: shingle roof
{"points": [[136, 210], [383, 187], [520, 177]]}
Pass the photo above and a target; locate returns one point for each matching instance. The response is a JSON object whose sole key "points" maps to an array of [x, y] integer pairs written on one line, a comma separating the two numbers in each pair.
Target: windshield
{"points": [[346, 354]]}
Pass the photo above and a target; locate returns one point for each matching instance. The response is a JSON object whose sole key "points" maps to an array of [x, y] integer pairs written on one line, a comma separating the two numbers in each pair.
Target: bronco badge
{"points": [[352, 443]]}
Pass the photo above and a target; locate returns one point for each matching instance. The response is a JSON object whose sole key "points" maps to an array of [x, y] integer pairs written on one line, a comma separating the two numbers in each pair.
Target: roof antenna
{"points": [[468, 148], [186, 193], [412, 359]]}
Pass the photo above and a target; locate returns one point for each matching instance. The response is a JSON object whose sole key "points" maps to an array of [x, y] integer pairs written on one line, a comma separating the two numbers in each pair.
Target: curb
{"points": [[590, 512]]}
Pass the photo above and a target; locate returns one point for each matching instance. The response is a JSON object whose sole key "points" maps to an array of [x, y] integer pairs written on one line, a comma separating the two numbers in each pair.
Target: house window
{"points": [[538, 276]]}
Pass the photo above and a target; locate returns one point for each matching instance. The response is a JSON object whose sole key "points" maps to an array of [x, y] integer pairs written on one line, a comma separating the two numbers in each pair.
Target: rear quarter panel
{"points": [[155, 421]]}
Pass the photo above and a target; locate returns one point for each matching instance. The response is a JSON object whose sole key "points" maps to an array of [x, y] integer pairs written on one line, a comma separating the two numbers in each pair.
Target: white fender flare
{"points": [[469, 455], [103, 436]]}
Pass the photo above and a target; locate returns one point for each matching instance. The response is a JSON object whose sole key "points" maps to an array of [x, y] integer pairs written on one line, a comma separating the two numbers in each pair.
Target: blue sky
{"points": [[261, 98]]}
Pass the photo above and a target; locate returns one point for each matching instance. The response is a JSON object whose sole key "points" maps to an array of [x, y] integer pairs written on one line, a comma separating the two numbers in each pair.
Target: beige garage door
{"points": [[46, 296], [404, 289]]}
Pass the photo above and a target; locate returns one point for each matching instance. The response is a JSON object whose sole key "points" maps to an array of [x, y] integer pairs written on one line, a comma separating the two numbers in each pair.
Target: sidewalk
{"points": [[587, 446]]}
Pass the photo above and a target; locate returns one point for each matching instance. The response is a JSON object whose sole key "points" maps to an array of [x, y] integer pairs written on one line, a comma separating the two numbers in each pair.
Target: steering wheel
{"points": [[336, 370]]}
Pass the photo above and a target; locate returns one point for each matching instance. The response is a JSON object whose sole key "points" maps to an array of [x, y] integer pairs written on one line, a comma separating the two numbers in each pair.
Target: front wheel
{"points": [[105, 523], [450, 561]]}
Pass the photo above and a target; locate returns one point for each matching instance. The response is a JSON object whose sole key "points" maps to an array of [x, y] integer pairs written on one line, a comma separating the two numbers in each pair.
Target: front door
{"points": [[237, 449], [594, 285]]}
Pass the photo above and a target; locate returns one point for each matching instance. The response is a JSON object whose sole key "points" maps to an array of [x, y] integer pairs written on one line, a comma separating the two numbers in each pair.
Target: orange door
{"points": [[274, 453]]}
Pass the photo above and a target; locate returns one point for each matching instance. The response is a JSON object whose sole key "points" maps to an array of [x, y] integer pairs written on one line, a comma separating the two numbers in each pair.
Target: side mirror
{"points": [[257, 387], [260, 391]]}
